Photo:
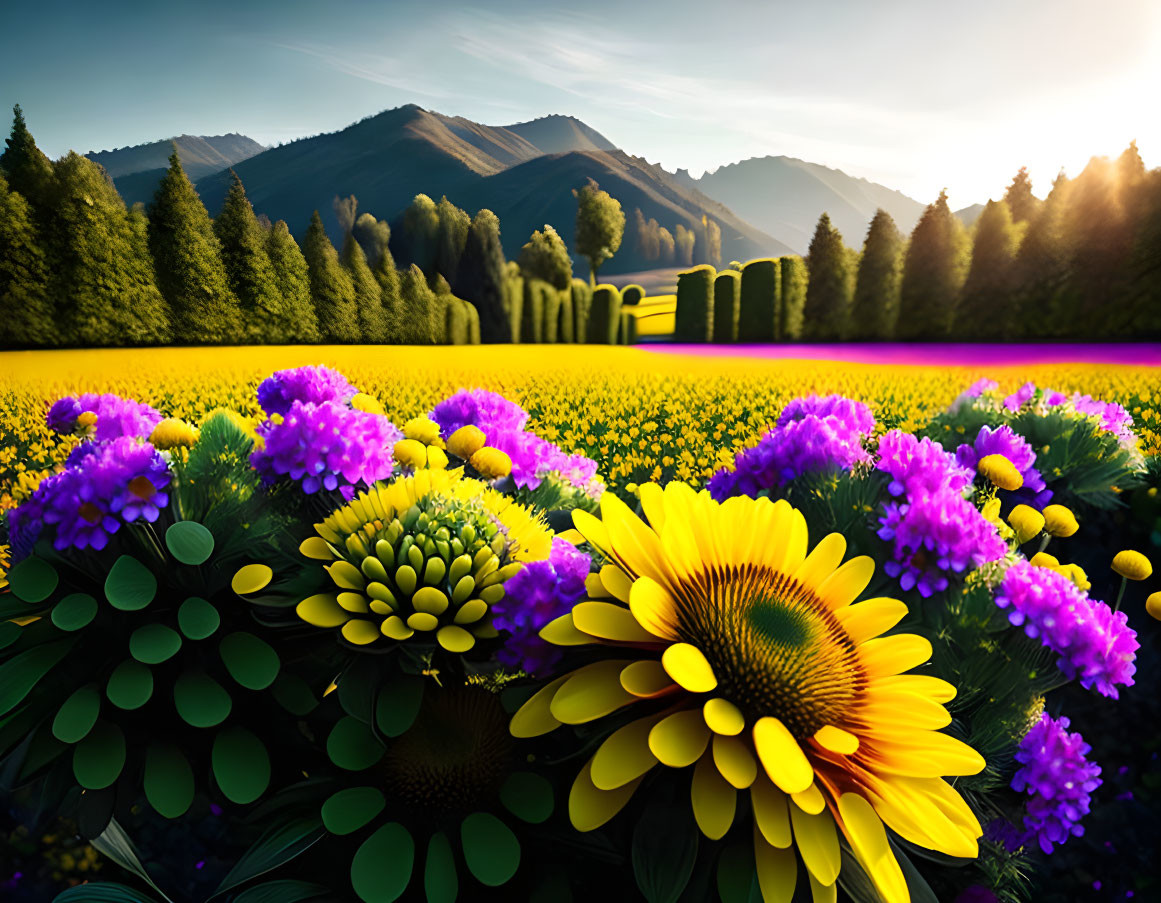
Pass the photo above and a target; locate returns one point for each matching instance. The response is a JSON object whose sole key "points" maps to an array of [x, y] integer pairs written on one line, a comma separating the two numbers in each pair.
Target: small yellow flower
{"points": [[367, 403], [1153, 605], [991, 513], [173, 433], [423, 430], [87, 419], [491, 462], [1132, 565], [1000, 471], [1044, 560], [1076, 574], [1060, 521], [466, 441], [411, 453], [1026, 521]]}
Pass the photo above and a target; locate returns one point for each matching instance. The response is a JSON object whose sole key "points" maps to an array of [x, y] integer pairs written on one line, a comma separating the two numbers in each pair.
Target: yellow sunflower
{"points": [[749, 662]]}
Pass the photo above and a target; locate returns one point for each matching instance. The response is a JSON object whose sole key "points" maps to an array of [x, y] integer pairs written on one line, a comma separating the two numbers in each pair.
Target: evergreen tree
{"points": [[453, 235], [1021, 203], [875, 306], [666, 246], [684, 240], [544, 256], [1143, 294], [1041, 270], [933, 272], [28, 319], [375, 236], [482, 278], [421, 232], [102, 277], [251, 275], [600, 226], [419, 308], [986, 307], [829, 285], [368, 294], [188, 260], [713, 241], [298, 322], [25, 166], [331, 288]]}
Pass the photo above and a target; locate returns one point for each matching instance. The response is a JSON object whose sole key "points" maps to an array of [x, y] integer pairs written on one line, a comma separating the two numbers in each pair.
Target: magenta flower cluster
{"points": [[1003, 441], [1059, 780], [310, 385], [116, 416], [1095, 645], [812, 435], [933, 530], [540, 592], [1113, 418]]}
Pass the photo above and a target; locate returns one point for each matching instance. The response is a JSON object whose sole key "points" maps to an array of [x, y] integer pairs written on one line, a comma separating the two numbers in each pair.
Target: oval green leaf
{"points": [[77, 716], [198, 618], [241, 765], [398, 704], [349, 810], [440, 881], [352, 746], [252, 662], [154, 643], [293, 694], [169, 780], [201, 701], [381, 868], [74, 611], [491, 850], [33, 580], [130, 585], [130, 685], [9, 633], [189, 542], [99, 758], [528, 796], [22, 672]]}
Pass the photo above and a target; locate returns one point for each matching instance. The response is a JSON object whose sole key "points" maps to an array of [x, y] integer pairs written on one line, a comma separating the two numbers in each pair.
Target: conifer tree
{"points": [[374, 236], [248, 268], [1143, 295], [1041, 269], [450, 241], [188, 258], [1022, 204], [986, 307], [25, 166], [544, 256], [684, 240], [421, 232], [933, 272], [829, 285], [331, 288], [102, 277], [368, 293], [419, 308], [298, 323], [27, 319], [713, 241], [875, 306], [482, 278], [666, 246]]}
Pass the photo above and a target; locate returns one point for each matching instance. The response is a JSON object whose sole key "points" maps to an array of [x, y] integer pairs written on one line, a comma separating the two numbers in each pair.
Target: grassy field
{"points": [[643, 416]]}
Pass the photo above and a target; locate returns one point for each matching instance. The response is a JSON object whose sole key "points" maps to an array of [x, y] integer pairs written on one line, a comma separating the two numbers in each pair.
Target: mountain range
{"points": [[524, 172]]}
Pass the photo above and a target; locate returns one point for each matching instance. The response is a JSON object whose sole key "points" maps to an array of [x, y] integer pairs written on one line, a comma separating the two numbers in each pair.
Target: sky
{"points": [[915, 94]]}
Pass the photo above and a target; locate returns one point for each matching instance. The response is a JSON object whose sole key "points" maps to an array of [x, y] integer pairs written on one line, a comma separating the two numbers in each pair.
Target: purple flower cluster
{"points": [[480, 408], [1003, 441], [1020, 397], [540, 592], [104, 485], [115, 416], [310, 385], [934, 530], [1114, 418], [1059, 779], [811, 435], [1094, 643], [326, 445]]}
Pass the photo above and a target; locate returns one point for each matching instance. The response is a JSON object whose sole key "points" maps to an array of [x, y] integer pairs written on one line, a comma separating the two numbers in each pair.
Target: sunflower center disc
{"points": [[776, 648]]}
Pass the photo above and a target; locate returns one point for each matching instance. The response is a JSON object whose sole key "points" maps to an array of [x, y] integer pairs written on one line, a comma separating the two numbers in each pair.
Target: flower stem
{"points": [[1121, 593], [1044, 540]]}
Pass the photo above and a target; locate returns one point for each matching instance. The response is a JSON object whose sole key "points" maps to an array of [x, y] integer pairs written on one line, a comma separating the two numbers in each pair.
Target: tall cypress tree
{"points": [[1022, 204], [986, 309], [829, 285], [368, 293], [453, 234], [28, 319], [1042, 269], [27, 169], [188, 259], [419, 308], [1143, 296], [331, 288], [248, 268], [299, 322], [481, 278], [875, 307], [933, 272], [421, 233], [375, 236], [103, 279]]}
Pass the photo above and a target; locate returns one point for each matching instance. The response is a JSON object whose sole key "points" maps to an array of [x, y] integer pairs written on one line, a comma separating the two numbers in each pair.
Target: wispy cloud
{"points": [[389, 71]]}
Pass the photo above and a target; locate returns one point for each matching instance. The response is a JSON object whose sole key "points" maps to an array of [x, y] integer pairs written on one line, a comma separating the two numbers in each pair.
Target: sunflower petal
{"points": [[535, 717], [822, 561], [777, 870], [646, 678], [624, 756], [688, 666], [591, 692], [360, 632], [810, 800], [679, 739], [562, 631], [868, 839], [822, 893], [610, 622], [322, 610], [781, 756], [616, 582], [714, 801], [653, 608], [771, 813], [735, 761], [592, 529], [926, 754], [933, 688], [588, 807], [817, 842], [870, 618], [723, 717], [845, 585], [652, 499], [837, 740], [891, 655]]}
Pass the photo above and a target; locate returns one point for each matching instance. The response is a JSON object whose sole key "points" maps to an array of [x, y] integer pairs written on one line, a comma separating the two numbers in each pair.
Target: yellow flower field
{"points": [[644, 416]]}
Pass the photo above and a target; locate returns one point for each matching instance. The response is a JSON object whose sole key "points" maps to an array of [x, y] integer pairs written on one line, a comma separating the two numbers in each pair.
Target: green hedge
{"points": [[793, 273], [582, 301], [694, 320], [727, 303], [565, 326], [514, 303], [627, 334], [538, 299], [473, 324], [632, 294], [760, 319], [457, 321], [605, 315]]}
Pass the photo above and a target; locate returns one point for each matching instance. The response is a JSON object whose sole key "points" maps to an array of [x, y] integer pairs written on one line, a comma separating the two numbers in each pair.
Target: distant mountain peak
{"points": [[200, 154]]}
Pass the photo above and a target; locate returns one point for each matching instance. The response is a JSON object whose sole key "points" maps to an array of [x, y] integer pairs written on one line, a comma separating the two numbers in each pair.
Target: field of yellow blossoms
{"points": [[643, 416]]}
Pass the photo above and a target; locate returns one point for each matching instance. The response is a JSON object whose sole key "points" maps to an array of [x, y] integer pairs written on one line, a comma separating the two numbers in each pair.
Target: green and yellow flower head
{"points": [[750, 661], [421, 559]]}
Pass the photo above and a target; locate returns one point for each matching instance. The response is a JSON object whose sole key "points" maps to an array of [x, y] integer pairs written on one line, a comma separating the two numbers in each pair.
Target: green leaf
{"points": [[665, 842], [10, 632], [381, 868], [527, 796], [285, 890], [102, 892], [130, 585], [294, 694], [349, 810], [33, 580], [252, 662], [201, 701], [352, 746], [169, 780], [440, 881], [736, 878], [189, 542], [130, 685], [154, 643], [100, 757], [116, 845], [197, 618], [77, 715], [356, 688], [74, 611], [279, 844], [398, 704], [241, 765], [491, 850], [21, 673]]}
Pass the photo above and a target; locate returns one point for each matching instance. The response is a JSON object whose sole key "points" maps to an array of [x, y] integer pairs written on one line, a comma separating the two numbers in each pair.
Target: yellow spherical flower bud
{"points": [[1026, 521], [1060, 521], [466, 441], [1000, 471], [87, 419], [436, 458], [368, 404], [1153, 605], [411, 453], [1076, 574], [173, 433], [1044, 560], [1132, 565], [423, 430], [491, 462]]}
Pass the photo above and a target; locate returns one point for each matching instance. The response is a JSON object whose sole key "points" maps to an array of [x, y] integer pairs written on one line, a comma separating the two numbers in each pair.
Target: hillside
{"points": [[561, 134]]}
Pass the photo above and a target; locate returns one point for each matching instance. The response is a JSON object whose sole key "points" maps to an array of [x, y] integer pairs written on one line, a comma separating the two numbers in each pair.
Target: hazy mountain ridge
{"points": [[201, 155]]}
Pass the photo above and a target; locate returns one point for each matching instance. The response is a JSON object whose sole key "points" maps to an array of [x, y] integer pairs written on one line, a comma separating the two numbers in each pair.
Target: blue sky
{"points": [[915, 94]]}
